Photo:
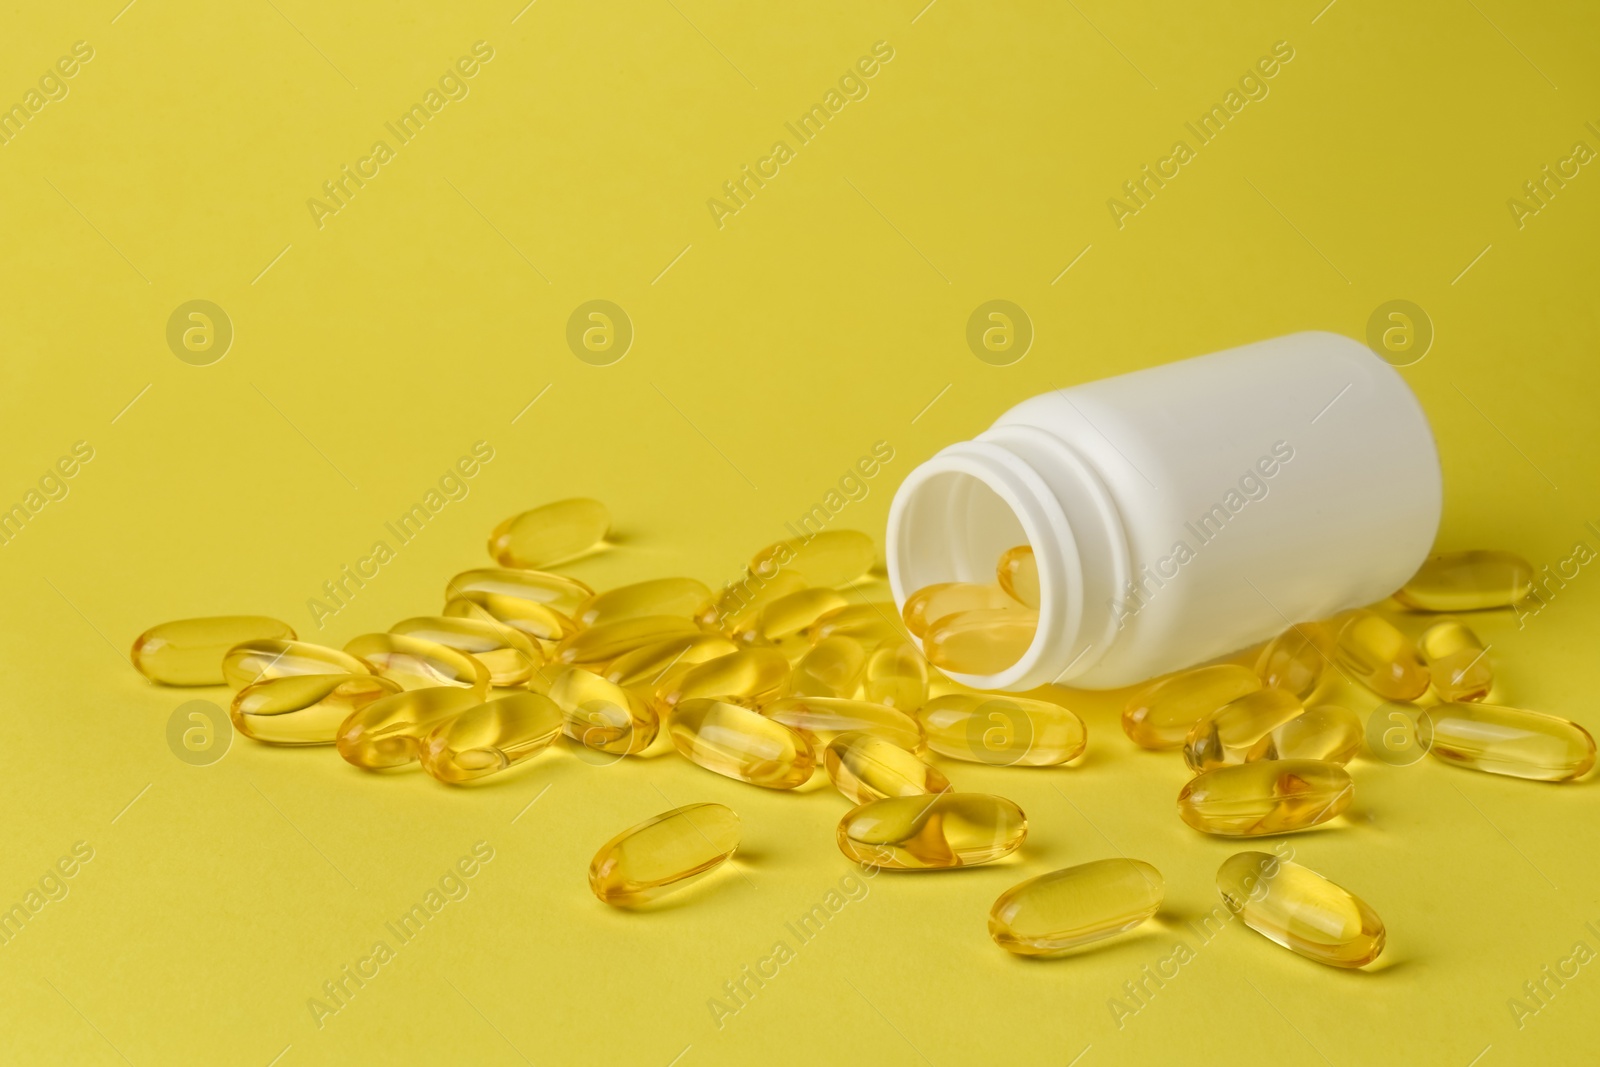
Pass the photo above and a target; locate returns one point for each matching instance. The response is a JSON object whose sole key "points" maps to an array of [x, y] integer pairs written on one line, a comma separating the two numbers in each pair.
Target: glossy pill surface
{"points": [[602, 715], [1301, 910], [865, 767], [1004, 730], [939, 831], [1457, 662], [552, 590], [257, 661], [1296, 659], [934, 602], [980, 642], [189, 651], [897, 675], [387, 732], [825, 718], [550, 534], [830, 668], [649, 666], [750, 676], [1324, 732], [533, 620], [1378, 655], [1228, 734], [829, 558], [508, 654], [1468, 581], [646, 861], [872, 624], [791, 614], [490, 737], [658, 596], [739, 743], [1018, 574], [418, 664], [606, 642], [1269, 797], [1057, 912], [305, 709], [1510, 741], [740, 602], [1161, 715]]}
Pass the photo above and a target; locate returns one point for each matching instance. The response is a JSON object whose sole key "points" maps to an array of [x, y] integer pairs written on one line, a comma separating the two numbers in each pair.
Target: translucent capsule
{"points": [[739, 743], [661, 854], [1002, 729], [1269, 797], [387, 732], [508, 654], [980, 642], [606, 642], [533, 620], [189, 651], [1018, 572], [1457, 662], [1324, 732], [1381, 657], [1295, 660], [602, 715], [658, 596], [249, 662], [305, 709], [1468, 581], [866, 767], [737, 606], [1161, 715], [871, 624], [1227, 735], [897, 675], [649, 666], [825, 718], [789, 615], [1300, 910], [498, 584], [829, 558], [490, 737], [750, 676], [418, 664], [934, 602], [934, 832], [1510, 741], [831, 668], [1057, 912], [550, 534]]}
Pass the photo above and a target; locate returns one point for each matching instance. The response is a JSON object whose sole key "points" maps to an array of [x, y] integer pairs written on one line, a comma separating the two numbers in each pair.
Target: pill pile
{"points": [[780, 672]]}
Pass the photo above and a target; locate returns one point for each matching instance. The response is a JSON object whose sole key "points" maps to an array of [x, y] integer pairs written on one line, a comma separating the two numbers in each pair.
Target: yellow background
{"points": [[825, 316]]}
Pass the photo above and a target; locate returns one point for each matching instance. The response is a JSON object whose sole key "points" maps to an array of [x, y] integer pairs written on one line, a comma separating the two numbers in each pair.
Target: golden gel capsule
{"points": [[1269, 797], [661, 854], [934, 602], [1057, 912], [831, 668], [1300, 910], [1227, 735], [498, 584], [387, 732], [550, 534], [739, 743], [980, 642], [508, 654], [490, 737], [305, 709], [265, 658], [1468, 581], [649, 666], [606, 642], [189, 651], [740, 602], [1457, 662], [749, 676], [1018, 573], [1161, 715], [1296, 659], [1001, 729], [871, 624], [602, 715], [830, 558], [419, 664], [1510, 741], [866, 767], [536, 621], [658, 596], [825, 718], [897, 675], [1381, 657], [791, 614], [1324, 732], [934, 832]]}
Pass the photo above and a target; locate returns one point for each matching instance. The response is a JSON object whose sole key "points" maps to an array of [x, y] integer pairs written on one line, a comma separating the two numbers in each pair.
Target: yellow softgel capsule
{"points": [[871, 624], [649, 666], [825, 718], [1162, 714], [789, 615], [866, 767], [508, 654], [936, 832], [829, 558], [658, 596], [1296, 659], [387, 732], [1457, 662], [740, 602], [1300, 909], [1468, 581], [980, 642], [1018, 573], [897, 675], [1057, 912], [831, 668], [419, 664], [602, 715], [1379, 656], [739, 743], [190, 651], [504, 583], [1227, 735], [1268, 797], [305, 709], [249, 662], [934, 602], [1324, 732], [490, 737], [537, 621], [1001, 729], [748, 676], [604, 643], [550, 534], [661, 854], [1510, 741]]}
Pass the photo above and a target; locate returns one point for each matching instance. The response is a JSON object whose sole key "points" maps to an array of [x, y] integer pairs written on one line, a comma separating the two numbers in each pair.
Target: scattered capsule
{"points": [[871, 624], [552, 590], [1003, 730], [939, 831], [659, 855], [658, 596], [1057, 912], [1325, 732], [490, 737], [738, 605], [739, 743], [1269, 797], [866, 767], [388, 731], [1161, 715], [189, 651], [1468, 581], [508, 654], [1457, 661], [419, 664], [831, 668], [825, 718], [1300, 909], [1510, 741], [1381, 657], [1018, 572], [939, 601], [534, 620], [265, 658], [649, 666], [602, 715], [550, 534], [1295, 660], [305, 709], [1227, 735], [749, 676], [980, 642], [789, 615], [829, 558], [613, 639], [897, 675]]}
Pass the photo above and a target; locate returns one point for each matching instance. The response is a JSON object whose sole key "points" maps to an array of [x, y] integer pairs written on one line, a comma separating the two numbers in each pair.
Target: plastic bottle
{"points": [[1185, 511]]}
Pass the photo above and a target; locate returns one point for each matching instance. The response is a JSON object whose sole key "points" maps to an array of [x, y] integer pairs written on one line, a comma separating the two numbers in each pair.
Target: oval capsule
{"points": [[790, 615], [1510, 741], [550, 533], [1269, 797], [651, 665], [830, 668], [865, 767], [535, 621], [1227, 735], [658, 596], [1300, 909], [825, 718], [739, 743], [190, 651], [606, 642], [490, 737], [602, 715], [419, 664], [1003, 730], [1018, 574], [505, 583], [935, 832], [740, 602], [1162, 714], [896, 676], [387, 732], [506, 653], [1382, 658], [1325, 732], [828, 558], [1468, 581], [661, 854], [748, 676], [265, 658], [939, 601], [871, 624], [305, 709], [1457, 662], [1057, 912], [980, 642], [1295, 660]]}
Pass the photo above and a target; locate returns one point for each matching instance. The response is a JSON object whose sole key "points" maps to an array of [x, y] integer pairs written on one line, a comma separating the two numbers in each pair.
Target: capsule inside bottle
{"points": [[1457, 662], [387, 732], [1004, 730], [1301, 910], [1057, 912], [491, 737], [865, 767], [980, 642], [418, 664], [266, 658], [939, 601], [1269, 797], [550, 534], [1018, 574], [742, 744], [1161, 715], [1468, 581], [305, 709], [190, 651], [647, 861], [939, 831], [1381, 657], [1228, 734], [1510, 741]]}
